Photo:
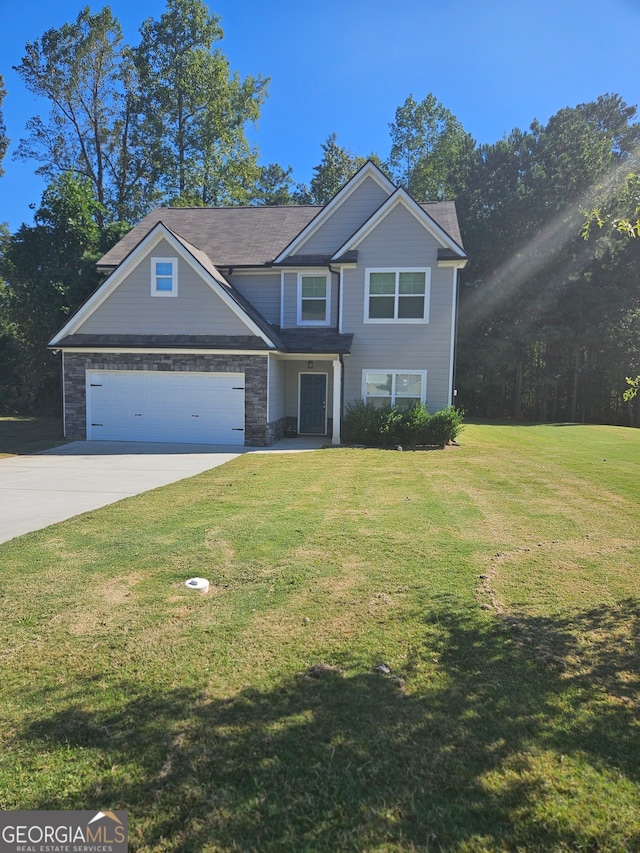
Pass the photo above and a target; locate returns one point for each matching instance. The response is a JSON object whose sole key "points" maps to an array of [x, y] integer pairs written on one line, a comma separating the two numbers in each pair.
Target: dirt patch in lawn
{"points": [[103, 604], [553, 576], [567, 605]]}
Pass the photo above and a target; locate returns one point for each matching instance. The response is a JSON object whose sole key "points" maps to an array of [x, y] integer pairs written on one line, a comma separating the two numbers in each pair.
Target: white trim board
{"points": [[158, 233], [369, 170], [164, 351], [400, 197]]}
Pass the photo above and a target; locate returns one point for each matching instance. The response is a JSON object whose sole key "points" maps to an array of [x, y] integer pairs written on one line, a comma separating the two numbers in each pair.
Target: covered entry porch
{"points": [[308, 394], [306, 383], [311, 396]]}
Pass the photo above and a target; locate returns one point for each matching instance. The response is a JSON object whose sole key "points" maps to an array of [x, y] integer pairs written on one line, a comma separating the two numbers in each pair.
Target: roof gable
{"points": [[368, 173], [198, 260], [402, 197], [262, 236]]}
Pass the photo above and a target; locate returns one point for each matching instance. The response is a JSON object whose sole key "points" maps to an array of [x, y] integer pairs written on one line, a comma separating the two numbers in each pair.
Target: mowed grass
{"points": [[28, 435], [497, 580]]}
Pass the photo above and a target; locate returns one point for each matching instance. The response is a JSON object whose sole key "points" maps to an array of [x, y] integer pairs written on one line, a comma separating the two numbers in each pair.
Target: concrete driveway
{"points": [[43, 488]]}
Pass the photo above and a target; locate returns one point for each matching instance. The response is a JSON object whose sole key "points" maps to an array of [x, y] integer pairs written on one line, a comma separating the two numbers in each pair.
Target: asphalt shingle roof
{"points": [[309, 341], [230, 236], [249, 342], [246, 236], [444, 213]]}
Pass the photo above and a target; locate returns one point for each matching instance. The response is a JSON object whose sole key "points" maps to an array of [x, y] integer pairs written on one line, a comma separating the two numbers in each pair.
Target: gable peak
{"points": [[369, 171]]}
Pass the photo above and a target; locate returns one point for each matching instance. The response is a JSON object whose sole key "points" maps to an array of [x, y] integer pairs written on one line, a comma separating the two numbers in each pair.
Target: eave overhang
{"points": [[310, 342], [450, 258], [191, 255], [369, 170], [401, 197]]}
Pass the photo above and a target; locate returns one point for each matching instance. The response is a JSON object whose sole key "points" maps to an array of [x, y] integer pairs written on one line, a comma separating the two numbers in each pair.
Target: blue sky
{"points": [[344, 66]]}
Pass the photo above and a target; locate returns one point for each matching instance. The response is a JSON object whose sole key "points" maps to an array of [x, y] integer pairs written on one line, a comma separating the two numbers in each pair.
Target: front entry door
{"points": [[313, 404]]}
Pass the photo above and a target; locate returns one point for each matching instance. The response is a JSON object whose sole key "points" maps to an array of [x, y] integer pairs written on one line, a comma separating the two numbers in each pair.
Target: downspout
{"points": [[339, 273], [64, 397], [339, 306], [456, 312]]}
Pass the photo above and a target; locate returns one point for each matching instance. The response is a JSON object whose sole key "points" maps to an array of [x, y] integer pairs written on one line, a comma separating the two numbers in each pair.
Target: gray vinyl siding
{"points": [[290, 296], [400, 241], [131, 309], [346, 220], [263, 292]]}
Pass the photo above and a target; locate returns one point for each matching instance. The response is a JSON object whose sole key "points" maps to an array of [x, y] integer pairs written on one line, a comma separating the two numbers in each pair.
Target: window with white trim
{"points": [[397, 295], [314, 293], [400, 388], [164, 276]]}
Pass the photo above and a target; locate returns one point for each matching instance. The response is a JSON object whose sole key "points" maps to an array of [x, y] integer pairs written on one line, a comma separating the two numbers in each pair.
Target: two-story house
{"points": [[233, 325]]}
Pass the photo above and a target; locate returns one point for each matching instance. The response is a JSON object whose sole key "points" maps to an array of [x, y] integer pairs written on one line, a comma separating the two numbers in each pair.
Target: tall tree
{"points": [[4, 141], [535, 292], [50, 269], [195, 109], [11, 359], [275, 186], [616, 205], [84, 71], [428, 145], [337, 166]]}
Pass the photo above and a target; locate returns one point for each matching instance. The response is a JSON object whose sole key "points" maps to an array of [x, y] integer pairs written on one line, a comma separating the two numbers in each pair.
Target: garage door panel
{"points": [[178, 406]]}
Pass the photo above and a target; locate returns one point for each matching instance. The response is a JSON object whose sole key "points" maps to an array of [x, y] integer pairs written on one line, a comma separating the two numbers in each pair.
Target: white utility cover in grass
{"points": [[193, 408]]}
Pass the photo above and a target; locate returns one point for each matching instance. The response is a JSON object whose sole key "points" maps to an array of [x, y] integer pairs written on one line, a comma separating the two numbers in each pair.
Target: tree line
{"points": [[549, 320]]}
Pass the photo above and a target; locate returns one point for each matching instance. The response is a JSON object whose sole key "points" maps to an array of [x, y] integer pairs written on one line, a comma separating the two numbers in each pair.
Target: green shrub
{"points": [[367, 424], [444, 426], [414, 426]]}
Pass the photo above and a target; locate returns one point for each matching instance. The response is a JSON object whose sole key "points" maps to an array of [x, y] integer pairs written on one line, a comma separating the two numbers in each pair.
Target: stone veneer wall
{"points": [[257, 432], [276, 431]]}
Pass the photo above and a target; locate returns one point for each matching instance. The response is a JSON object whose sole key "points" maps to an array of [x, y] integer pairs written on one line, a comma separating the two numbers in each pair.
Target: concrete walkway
{"points": [[43, 488]]}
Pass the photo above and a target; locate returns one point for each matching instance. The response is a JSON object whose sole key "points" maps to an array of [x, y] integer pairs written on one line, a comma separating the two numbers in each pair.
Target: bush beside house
{"points": [[389, 426]]}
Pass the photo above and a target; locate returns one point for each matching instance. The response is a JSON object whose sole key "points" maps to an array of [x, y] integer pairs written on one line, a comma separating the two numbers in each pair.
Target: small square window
{"points": [[164, 276]]}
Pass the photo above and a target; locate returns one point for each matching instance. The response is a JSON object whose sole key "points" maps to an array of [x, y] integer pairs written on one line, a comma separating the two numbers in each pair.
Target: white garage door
{"points": [[205, 408]]}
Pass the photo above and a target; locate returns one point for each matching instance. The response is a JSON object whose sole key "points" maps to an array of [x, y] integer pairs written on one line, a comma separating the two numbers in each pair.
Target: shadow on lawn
{"points": [[29, 435], [351, 763]]}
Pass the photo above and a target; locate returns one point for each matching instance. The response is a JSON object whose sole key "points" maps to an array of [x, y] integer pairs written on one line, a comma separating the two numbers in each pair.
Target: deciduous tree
{"points": [[4, 141], [428, 147], [50, 269], [538, 302], [195, 109], [337, 166], [85, 72]]}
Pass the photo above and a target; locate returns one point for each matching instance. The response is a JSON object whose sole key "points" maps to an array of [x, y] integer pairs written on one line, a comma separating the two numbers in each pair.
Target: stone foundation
{"points": [[276, 430]]}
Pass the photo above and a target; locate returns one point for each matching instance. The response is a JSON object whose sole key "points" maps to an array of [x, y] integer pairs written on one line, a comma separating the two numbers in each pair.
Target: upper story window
{"points": [[164, 276], [397, 295], [314, 298]]}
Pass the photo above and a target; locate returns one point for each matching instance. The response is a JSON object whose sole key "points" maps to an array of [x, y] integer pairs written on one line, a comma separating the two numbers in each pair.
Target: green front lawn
{"points": [[29, 435], [498, 581]]}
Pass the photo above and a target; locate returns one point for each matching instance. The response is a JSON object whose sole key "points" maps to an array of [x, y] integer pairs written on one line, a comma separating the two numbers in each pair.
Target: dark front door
{"points": [[313, 403]]}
